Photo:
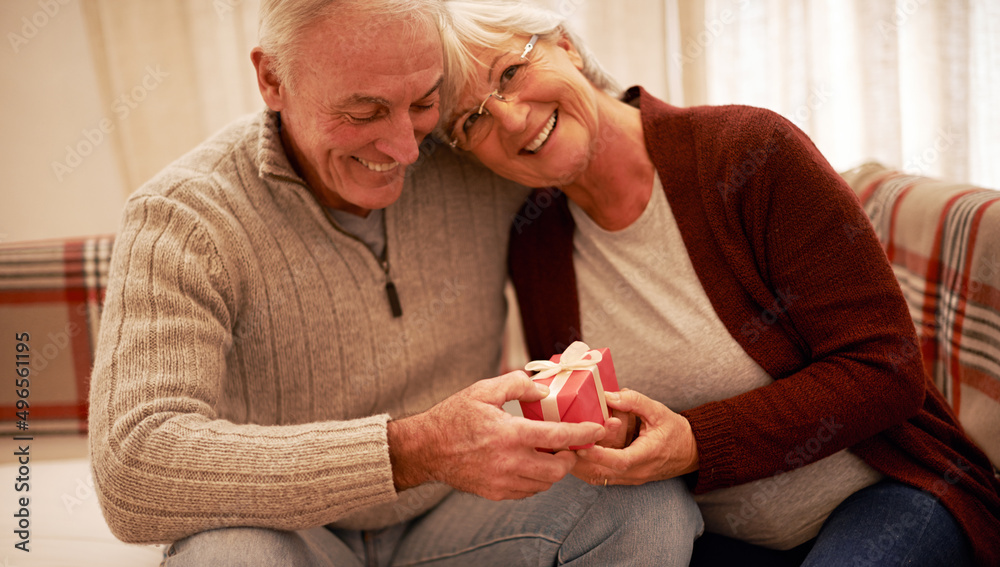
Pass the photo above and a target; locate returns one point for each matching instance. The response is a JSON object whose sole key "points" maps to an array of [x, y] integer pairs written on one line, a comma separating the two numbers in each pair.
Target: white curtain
{"points": [[911, 83], [176, 71]]}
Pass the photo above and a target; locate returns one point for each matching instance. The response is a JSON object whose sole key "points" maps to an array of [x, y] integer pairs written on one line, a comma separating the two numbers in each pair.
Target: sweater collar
{"points": [[271, 159]]}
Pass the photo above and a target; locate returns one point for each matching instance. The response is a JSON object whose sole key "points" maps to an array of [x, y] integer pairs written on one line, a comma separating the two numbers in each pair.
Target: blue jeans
{"points": [[886, 524], [572, 523]]}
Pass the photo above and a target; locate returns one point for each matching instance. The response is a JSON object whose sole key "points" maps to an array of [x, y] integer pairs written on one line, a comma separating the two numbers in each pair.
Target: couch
{"points": [[942, 239]]}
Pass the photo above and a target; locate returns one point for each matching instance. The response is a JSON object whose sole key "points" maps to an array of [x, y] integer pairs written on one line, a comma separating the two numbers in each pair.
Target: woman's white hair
{"points": [[282, 22], [477, 24]]}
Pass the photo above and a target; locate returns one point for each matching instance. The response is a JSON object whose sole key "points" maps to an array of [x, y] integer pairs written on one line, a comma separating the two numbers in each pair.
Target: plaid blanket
{"points": [[53, 291], [943, 240]]}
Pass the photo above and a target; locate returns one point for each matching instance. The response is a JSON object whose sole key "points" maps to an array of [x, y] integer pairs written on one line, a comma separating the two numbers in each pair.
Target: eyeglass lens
{"points": [[471, 131]]}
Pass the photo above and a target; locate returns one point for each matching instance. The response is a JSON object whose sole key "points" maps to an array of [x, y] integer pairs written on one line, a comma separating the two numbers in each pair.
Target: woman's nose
{"points": [[509, 114]]}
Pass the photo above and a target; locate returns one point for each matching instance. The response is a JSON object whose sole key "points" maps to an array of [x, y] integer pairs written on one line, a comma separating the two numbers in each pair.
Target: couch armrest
{"points": [[53, 291], [943, 241]]}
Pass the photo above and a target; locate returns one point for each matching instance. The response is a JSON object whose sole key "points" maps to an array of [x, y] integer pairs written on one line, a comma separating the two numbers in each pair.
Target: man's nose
{"points": [[399, 141]]}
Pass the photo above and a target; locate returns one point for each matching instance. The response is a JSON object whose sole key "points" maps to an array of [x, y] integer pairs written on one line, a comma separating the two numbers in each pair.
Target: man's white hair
{"points": [[282, 22], [476, 24]]}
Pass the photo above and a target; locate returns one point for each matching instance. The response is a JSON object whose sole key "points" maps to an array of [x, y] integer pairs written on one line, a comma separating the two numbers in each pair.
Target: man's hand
{"points": [[665, 447], [470, 443]]}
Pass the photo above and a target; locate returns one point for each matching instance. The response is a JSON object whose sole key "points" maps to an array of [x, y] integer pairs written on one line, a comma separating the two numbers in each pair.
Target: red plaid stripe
{"points": [[53, 290]]}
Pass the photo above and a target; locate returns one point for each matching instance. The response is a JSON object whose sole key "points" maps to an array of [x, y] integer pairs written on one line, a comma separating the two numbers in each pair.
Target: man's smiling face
{"points": [[360, 104]]}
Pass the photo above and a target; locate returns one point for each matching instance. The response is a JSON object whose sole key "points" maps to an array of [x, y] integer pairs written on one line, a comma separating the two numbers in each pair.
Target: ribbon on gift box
{"points": [[572, 359]]}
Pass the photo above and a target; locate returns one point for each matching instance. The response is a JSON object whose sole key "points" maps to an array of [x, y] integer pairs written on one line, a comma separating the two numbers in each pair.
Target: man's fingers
{"points": [[531, 485], [518, 386], [511, 386], [514, 495], [547, 467], [567, 458], [550, 435]]}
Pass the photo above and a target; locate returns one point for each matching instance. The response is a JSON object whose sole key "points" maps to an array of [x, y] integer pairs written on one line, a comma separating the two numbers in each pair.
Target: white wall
{"points": [[99, 95], [50, 100]]}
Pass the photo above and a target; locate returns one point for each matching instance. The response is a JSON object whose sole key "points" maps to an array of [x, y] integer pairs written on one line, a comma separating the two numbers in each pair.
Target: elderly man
{"points": [[294, 360]]}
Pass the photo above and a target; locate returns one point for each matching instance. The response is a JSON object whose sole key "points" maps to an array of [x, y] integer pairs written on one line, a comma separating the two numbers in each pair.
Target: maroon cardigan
{"points": [[772, 232]]}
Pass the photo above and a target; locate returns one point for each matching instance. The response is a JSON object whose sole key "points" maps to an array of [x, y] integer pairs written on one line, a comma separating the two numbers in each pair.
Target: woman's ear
{"points": [[574, 56]]}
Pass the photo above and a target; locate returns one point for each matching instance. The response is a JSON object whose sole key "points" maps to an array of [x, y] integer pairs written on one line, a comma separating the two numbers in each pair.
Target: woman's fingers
{"points": [[664, 449], [630, 401], [617, 461], [594, 474], [611, 465], [616, 431]]}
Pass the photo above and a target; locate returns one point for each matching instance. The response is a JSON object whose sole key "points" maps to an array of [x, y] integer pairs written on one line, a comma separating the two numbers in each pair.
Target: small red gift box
{"points": [[577, 380]]}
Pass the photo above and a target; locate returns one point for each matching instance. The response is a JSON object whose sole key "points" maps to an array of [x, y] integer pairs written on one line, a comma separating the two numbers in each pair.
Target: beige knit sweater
{"points": [[248, 360]]}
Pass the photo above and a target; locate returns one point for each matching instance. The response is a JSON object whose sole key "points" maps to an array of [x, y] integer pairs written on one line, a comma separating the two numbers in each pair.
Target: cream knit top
{"points": [[248, 359]]}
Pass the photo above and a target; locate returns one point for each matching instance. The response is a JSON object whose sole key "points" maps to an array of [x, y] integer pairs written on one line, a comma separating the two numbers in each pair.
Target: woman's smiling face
{"points": [[540, 129]]}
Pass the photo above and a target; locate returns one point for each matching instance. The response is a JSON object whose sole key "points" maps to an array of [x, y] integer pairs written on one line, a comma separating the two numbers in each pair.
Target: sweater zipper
{"points": [[390, 287]]}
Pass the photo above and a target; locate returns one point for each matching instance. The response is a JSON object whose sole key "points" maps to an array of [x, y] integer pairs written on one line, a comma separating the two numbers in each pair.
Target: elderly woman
{"points": [[769, 354]]}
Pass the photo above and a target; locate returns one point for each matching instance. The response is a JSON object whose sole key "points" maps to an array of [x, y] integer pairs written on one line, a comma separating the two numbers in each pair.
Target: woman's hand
{"points": [[620, 428], [664, 449]]}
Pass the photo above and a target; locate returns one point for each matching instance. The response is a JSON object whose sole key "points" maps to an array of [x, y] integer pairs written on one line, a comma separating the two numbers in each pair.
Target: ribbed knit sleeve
{"points": [[812, 272], [165, 463]]}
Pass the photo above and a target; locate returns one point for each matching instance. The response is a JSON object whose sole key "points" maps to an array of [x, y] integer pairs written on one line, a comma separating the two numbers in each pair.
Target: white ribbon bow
{"points": [[572, 359]]}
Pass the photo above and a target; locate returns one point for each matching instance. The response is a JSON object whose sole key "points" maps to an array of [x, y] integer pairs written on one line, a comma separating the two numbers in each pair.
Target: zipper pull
{"points": [[394, 304]]}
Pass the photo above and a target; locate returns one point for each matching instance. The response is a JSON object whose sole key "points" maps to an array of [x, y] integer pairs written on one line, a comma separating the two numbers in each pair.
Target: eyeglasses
{"points": [[471, 129]]}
